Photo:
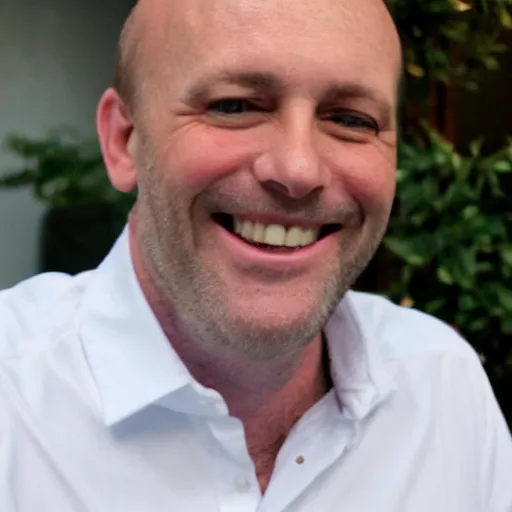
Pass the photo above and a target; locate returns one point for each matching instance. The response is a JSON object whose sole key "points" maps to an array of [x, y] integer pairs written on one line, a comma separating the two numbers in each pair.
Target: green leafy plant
{"points": [[62, 169], [453, 42], [448, 250], [451, 233]]}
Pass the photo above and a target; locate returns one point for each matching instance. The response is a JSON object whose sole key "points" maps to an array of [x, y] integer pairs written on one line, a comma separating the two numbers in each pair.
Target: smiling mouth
{"points": [[273, 237]]}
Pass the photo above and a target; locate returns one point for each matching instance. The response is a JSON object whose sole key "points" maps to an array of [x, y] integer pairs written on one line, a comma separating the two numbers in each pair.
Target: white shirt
{"points": [[98, 414]]}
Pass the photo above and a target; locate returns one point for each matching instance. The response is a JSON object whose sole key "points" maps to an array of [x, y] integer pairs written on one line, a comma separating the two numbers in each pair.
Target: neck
{"points": [[267, 396]]}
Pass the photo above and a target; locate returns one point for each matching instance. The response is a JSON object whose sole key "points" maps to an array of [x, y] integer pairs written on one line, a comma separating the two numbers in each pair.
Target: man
{"points": [[216, 360]]}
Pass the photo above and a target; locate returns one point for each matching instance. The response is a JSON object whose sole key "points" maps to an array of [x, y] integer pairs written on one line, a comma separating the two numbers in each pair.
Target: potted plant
{"points": [[85, 213]]}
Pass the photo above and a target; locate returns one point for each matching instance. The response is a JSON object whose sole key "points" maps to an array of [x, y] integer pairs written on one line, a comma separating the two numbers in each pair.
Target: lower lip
{"points": [[253, 255]]}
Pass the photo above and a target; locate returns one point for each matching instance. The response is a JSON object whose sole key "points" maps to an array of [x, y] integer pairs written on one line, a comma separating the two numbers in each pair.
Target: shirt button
{"points": [[242, 484]]}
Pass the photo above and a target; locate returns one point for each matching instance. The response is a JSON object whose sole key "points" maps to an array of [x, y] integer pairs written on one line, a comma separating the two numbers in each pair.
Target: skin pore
{"points": [[272, 110]]}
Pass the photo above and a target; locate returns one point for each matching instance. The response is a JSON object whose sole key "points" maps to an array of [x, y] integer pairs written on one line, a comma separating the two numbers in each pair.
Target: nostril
{"points": [[275, 186], [293, 190]]}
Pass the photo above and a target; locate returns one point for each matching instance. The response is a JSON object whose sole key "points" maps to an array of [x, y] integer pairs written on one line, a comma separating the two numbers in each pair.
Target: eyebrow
{"points": [[200, 92]]}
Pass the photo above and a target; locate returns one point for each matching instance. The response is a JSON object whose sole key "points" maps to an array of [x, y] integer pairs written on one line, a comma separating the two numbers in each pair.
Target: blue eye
{"points": [[355, 121], [230, 106]]}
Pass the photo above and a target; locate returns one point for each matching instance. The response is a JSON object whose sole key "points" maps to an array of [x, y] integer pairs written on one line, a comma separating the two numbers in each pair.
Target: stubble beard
{"points": [[193, 293]]}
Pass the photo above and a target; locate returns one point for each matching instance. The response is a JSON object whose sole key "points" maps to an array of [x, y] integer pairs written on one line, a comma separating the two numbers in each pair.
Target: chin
{"points": [[282, 323], [277, 307], [288, 303], [267, 342]]}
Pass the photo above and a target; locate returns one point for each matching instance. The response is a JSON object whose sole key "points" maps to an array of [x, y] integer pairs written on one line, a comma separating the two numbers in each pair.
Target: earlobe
{"points": [[116, 137]]}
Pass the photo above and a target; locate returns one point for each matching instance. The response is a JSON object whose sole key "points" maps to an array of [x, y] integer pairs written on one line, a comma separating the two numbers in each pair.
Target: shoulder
{"points": [[35, 309], [428, 358], [405, 332], [432, 363]]}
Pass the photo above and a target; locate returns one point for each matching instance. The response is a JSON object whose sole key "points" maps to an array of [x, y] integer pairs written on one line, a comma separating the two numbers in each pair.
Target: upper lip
{"points": [[282, 220]]}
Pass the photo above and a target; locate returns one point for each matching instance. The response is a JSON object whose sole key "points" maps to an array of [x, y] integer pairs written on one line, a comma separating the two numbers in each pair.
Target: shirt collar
{"points": [[134, 365], [359, 365], [131, 360]]}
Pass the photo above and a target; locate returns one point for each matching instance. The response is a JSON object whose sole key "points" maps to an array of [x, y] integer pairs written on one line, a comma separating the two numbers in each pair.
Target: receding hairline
{"points": [[127, 53]]}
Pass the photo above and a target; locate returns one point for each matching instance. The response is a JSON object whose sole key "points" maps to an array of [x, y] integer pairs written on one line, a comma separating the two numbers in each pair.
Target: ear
{"points": [[116, 136]]}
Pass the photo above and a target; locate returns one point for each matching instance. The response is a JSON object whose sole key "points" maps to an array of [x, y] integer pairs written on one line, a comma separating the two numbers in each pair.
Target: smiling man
{"points": [[216, 360]]}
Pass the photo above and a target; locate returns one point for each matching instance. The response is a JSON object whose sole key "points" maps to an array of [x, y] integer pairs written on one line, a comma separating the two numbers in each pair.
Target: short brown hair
{"points": [[124, 78]]}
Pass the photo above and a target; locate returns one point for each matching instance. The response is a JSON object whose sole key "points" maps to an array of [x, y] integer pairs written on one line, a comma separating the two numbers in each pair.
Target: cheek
{"points": [[202, 156], [369, 176]]}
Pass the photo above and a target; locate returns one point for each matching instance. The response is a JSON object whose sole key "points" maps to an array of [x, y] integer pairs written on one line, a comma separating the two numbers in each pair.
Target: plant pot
{"points": [[77, 238]]}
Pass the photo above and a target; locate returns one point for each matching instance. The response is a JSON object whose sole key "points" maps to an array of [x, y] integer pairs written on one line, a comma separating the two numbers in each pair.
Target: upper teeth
{"points": [[275, 234]]}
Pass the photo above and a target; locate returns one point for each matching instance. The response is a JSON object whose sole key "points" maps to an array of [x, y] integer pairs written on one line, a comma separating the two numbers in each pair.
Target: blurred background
{"points": [[449, 247], [56, 57]]}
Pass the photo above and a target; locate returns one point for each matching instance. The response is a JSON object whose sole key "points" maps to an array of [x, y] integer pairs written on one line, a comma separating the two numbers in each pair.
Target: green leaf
{"points": [[463, 267], [506, 18], [503, 166], [506, 254], [445, 276], [416, 31], [506, 325], [456, 161], [19, 179], [494, 182], [491, 63], [504, 296], [467, 302], [433, 307], [499, 48], [405, 250], [401, 175], [495, 226], [487, 295], [470, 212], [485, 266], [478, 324], [475, 148]]}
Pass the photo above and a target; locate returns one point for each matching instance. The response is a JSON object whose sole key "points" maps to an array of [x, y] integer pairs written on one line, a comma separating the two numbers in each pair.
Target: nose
{"points": [[292, 166]]}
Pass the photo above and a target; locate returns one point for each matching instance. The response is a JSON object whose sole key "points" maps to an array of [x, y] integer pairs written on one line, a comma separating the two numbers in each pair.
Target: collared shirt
{"points": [[99, 414]]}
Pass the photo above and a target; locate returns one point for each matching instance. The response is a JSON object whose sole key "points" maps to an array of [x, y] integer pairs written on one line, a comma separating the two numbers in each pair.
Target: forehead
{"points": [[300, 41]]}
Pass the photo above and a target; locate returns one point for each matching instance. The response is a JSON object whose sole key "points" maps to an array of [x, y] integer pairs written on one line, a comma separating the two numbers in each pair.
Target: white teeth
{"points": [[247, 229], [258, 234], [309, 236], [294, 237], [275, 234]]}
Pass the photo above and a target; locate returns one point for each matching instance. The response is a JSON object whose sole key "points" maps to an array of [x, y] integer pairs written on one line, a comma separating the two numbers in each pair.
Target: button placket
{"points": [[243, 483], [236, 479]]}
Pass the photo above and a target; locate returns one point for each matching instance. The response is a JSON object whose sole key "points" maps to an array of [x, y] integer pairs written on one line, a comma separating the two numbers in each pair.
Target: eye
{"points": [[231, 106], [355, 121]]}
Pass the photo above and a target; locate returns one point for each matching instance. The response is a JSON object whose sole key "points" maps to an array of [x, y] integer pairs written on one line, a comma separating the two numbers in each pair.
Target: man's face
{"points": [[266, 161]]}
